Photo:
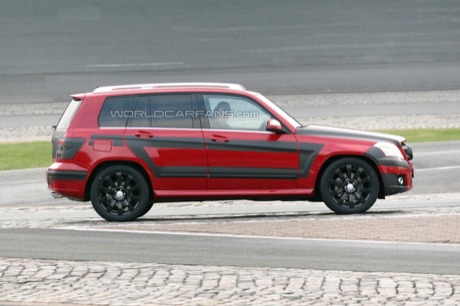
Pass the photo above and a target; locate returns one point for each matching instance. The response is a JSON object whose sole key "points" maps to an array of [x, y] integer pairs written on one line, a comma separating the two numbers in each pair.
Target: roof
{"points": [[167, 85]]}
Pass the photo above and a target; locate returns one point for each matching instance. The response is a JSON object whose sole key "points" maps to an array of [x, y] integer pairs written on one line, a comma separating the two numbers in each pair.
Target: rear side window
{"points": [[164, 111], [116, 111], [68, 115]]}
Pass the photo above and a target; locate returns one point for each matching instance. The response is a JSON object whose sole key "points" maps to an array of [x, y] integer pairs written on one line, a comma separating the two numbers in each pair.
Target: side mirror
{"points": [[274, 125]]}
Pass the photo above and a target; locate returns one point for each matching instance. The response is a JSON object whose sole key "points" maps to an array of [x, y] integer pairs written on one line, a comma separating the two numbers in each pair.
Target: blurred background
{"points": [[52, 48]]}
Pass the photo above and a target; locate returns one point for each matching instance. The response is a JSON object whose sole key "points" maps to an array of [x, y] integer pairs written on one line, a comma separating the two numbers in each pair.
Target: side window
{"points": [[115, 111], [168, 111], [235, 112], [142, 115], [174, 111]]}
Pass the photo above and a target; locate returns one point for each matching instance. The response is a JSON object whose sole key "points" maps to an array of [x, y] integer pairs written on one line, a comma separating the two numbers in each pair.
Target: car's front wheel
{"points": [[120, 193], [349, 186]]}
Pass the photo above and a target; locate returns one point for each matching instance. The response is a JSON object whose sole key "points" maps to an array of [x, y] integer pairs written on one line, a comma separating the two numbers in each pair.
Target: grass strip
{"points": [[426, 135], [23, 155], [38, 154]]}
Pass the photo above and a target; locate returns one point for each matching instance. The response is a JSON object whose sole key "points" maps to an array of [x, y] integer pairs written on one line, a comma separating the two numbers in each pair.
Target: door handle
{"points": [[218, 138], [143, 134]]}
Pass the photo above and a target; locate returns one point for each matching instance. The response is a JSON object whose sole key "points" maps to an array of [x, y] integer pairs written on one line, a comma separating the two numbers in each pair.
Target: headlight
{"points": [[389, 149]]}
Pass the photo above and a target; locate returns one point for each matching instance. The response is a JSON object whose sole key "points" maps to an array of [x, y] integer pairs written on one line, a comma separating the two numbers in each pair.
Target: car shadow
{"points": [[210, 218]]}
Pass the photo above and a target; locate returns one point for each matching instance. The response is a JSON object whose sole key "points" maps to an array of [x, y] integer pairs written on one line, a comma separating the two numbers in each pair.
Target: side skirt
{"points": [[207, 195]]}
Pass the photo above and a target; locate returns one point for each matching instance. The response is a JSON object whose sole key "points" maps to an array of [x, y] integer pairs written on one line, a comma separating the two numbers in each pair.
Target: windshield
{"points": [[285, 115]]}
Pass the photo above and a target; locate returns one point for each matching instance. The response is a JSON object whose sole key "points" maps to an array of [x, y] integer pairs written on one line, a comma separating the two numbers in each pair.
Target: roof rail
{"points": [[167, 85]]}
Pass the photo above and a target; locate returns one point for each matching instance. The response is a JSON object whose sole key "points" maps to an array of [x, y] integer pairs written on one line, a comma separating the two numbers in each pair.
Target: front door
{"points": [[242, 154]]}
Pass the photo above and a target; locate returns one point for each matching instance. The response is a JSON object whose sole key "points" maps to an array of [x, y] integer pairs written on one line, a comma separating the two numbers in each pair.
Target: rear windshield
{"points": [[68, 115]]}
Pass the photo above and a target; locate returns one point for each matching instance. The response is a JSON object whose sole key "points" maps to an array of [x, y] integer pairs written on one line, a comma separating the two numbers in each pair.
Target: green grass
{"points": [[38, 154], [426, 135], [25, 155]]}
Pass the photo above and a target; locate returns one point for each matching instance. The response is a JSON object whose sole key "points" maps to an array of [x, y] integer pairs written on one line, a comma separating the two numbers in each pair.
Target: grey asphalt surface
{"points": [[231, 251], [54, 48]]}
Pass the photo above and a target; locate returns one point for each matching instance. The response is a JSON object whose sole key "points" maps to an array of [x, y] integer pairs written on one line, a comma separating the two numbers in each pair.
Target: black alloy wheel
{"points": [[349, 185], [120, 193]]}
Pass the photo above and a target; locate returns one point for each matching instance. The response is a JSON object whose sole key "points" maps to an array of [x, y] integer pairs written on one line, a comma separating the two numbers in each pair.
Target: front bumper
{"points": [[397, 179]]}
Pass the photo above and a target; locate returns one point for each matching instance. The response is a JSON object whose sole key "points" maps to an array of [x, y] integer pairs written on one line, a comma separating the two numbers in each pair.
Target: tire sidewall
{"points": [[141, 208]]}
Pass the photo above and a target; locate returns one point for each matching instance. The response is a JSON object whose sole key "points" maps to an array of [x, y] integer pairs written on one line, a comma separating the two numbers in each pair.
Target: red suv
{"points": [[126, 147]]}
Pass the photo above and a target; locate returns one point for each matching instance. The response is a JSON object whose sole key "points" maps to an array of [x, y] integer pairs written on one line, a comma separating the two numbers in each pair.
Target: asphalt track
{"points": [[53, 48], [221, 250]]}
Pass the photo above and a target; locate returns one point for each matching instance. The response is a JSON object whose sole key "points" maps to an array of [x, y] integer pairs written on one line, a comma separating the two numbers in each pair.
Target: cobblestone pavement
{"points": [[107, 283]]}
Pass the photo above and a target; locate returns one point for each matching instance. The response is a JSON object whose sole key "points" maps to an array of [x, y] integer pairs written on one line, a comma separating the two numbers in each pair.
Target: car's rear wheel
{"points": [[120, 193], [349, 186]]}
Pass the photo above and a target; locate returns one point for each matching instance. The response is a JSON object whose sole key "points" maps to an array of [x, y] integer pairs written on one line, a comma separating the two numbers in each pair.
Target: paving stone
{"points": [[191, 285]]}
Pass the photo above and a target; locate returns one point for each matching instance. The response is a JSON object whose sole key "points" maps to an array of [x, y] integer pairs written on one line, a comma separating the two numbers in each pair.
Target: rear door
{"points": [[242, 155], [164, 133]]}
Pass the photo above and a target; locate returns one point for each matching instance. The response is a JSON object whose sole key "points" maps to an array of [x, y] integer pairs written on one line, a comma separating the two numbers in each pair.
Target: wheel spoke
{"points": [[342, 200], [358, 172], [340, 174], [349, 173], [110, 183], [335, 182], [127, 181], [109, 207], [104, 199], [119, 179], [129, 206], [360, 198]]}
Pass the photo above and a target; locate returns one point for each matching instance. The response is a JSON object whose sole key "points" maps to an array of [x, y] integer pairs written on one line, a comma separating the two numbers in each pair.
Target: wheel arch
{"points": [[334, 158], [107, 164]]}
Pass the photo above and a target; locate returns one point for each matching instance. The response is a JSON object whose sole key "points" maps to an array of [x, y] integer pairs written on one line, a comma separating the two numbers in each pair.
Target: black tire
{"points": [[147, 208], [120, 193], [349, 186]]}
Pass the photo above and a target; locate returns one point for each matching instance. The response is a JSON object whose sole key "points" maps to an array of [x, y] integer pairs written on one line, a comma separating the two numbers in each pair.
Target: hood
{"points": [[315, 130]]}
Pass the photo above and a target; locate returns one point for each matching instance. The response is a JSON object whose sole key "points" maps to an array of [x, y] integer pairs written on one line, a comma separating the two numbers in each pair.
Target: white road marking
{"points": [[201, 234], [133, 65], [437, 169], [436, 153]]}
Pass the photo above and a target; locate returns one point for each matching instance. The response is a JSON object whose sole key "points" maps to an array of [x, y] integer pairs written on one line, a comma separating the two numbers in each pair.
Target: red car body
{"points": [[188, 159]]}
